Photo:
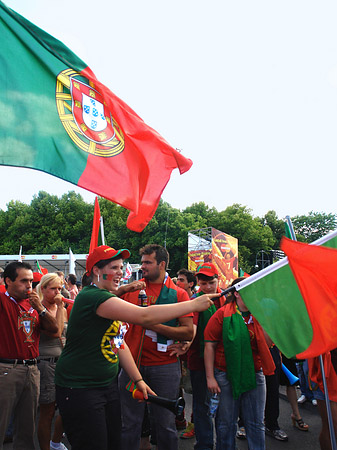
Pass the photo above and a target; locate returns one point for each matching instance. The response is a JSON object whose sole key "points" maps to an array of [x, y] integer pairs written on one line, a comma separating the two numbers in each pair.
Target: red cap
{"points": [[104, 252], [208, 269], [37, 277]]}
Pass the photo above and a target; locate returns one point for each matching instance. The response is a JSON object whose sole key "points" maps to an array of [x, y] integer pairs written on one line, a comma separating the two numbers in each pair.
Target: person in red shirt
{"points": [[236, 359], [73, 289], [149, 348], [22, 316], [208, 280], [2, 281]]}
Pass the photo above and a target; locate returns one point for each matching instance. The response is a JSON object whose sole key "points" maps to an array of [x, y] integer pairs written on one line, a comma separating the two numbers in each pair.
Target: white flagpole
{"points": [[20, 254], [71, 262], [102, 230]]}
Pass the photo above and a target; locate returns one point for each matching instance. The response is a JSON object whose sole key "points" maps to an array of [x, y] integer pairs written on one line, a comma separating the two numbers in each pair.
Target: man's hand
{"points": [[135, 286], [180, 348], [131, 287], [35, 301]]}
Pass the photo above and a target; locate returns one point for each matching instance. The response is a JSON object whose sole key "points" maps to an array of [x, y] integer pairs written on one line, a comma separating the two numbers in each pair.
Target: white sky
{"points": [[246, 89]]}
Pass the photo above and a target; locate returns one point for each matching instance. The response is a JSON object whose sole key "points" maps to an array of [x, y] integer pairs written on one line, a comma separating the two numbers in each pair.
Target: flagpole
{"points": [[291, 228], [20, 254], [326, 393], [328, 406], [102, 230]]}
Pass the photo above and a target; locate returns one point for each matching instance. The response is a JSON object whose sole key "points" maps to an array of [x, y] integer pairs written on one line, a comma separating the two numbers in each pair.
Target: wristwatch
{"points": [[43, 312]]}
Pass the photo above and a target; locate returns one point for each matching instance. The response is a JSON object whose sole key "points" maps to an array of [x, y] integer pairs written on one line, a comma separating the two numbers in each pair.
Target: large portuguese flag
{"points": [[295, 299], [55, 116]]}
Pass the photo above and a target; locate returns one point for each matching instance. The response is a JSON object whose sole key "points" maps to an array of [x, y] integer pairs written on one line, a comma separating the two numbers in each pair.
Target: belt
{"points": [[51, 359], [26, 362]]}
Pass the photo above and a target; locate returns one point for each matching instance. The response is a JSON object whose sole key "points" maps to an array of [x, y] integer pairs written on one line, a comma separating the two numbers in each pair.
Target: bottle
{"points": [[142, 298], [213, 405]]}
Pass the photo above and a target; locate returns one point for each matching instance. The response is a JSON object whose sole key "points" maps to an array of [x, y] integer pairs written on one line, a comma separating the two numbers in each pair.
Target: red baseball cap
{"points": [[208, 269], [104, 252]]}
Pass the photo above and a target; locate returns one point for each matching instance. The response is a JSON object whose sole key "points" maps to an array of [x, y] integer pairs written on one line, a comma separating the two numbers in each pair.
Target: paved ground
{"points": [[298, 440]]}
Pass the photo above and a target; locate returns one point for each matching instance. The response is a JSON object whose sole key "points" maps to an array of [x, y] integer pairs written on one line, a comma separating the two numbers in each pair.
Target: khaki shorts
{"points": [[47, 382]]}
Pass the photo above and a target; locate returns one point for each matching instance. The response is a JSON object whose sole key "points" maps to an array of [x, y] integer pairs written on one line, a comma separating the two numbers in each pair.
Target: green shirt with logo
{"points": [[89, 358]]}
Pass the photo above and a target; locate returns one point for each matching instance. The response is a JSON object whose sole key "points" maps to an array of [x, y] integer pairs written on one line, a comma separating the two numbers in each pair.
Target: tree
{"points": [[48, 225], [313, 226], [51, 225], [276, 225]]}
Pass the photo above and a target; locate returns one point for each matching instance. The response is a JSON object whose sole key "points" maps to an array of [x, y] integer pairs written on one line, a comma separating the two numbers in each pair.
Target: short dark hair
{"points": [[203, 277], [230, 298], [190, 277], [72, 278], [11, 270], [60, 273], [161, 253]]}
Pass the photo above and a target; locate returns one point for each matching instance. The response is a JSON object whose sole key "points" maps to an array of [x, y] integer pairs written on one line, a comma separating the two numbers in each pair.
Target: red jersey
{"points": [[19, 329], [150, 354], [194, 360], [213, 333]]}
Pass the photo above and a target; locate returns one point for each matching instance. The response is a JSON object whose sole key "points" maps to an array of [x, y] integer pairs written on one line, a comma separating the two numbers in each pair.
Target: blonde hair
{"points": [[45, 280]]}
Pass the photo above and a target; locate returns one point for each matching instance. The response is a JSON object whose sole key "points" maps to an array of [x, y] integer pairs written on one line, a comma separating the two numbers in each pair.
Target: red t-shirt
{"points": [[19, 329], [150, 355], [194, 360], [213, 333]]}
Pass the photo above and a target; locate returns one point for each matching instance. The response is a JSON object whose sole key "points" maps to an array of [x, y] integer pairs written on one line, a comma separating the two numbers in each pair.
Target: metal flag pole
{"points": [[326, 393], [102, 230]]}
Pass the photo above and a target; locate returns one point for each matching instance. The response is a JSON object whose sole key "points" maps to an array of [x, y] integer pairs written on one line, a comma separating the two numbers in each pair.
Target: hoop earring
{"points": [[98, 278]]}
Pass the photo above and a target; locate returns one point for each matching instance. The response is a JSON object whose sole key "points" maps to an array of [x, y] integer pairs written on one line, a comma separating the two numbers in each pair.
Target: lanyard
{"points": [[31, 309]]}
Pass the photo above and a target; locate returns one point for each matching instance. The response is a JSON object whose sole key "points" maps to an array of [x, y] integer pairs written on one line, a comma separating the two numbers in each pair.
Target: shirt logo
{"points": [[113, 340], [27, 323]]}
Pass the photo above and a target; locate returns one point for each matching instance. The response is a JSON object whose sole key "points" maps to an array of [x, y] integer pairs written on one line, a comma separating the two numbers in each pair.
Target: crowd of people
{"points": [[85, 348]]}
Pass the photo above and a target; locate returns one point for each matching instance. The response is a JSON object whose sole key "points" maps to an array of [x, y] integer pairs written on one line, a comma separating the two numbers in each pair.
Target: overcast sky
{"points": [[247, 90]]}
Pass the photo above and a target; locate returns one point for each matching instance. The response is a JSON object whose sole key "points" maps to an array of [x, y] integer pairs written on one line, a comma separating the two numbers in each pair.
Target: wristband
{"points": [[137, 381], [43, 312]]}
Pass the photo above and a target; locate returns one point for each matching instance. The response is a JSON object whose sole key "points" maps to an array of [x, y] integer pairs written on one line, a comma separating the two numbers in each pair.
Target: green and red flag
{"points": [[55, 116], [296, 301], [41, 269], [314, 269], [242, 273]]}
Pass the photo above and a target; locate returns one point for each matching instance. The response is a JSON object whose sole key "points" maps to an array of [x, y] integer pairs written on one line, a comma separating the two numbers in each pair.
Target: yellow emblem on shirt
{"points": [[113, 340]]}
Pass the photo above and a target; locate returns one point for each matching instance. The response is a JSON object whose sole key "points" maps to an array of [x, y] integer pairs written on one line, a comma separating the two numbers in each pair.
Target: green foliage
{"points": [[315, 225], [52, 225], [48, 225]]}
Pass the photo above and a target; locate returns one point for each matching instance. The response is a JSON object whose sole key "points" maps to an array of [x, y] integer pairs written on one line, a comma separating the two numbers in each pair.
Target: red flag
{"points": [[314, 269], [95, 227]]}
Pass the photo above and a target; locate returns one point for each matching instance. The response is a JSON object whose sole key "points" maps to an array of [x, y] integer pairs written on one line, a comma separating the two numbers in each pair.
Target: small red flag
{"points": [[95, 226], [314, 269]]}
